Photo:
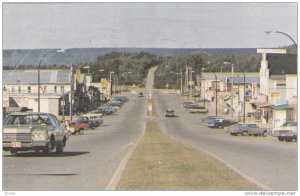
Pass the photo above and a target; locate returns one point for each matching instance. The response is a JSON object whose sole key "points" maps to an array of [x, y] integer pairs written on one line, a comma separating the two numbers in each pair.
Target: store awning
{"points": [[282, 107]]}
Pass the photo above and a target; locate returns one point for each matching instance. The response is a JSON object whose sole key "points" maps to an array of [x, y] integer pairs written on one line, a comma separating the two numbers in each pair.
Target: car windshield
{"points": [[288, 124], [27, 120]]}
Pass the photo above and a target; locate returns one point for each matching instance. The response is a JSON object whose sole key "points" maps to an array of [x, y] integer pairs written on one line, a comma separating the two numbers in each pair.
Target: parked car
{"points": [[79, 125], [115, 103], [247, 129], [288, 131], [170, 113], [220, 123], [122, 99], [197, 109], [105, 110], [140, 94], [208, 118], [95, 120], [190, 106], [33, 131], [253, 114], [203, 100]]}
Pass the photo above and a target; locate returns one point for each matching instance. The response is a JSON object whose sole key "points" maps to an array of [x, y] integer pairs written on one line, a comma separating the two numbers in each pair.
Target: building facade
{"points": [[21, 87]]}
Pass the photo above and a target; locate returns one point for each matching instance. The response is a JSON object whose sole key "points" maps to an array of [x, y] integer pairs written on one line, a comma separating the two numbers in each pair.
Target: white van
{"points": [[95, 119]]}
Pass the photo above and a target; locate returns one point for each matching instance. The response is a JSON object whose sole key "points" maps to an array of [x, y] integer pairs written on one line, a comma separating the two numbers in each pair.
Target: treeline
{"points": [[168, 72], [128, 68], [132, 68]]}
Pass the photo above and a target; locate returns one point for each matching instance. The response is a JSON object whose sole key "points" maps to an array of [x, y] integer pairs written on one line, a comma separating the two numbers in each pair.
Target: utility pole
{"points": [[71, 93], [63, 88], [232, 70], [244, 97], [115, 86], [181, 81], [204, 94], [187, 81], [239, 101], [191, 80], [110, 85], [216, 94]]}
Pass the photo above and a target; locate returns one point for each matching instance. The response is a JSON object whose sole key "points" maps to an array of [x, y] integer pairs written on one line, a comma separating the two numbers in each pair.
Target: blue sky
{"points": [[147, 25]]}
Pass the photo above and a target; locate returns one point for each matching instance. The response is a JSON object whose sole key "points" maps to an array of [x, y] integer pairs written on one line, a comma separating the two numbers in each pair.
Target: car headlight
{"points": [[39, 136]]}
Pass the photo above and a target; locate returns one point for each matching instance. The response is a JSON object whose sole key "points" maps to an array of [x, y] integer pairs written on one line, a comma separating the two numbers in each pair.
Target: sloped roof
{"points": [[31, 77]]}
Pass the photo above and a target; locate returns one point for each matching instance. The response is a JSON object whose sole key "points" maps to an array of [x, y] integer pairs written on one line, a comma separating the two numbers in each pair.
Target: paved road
{"points": [[266, 161], [89, 161]]}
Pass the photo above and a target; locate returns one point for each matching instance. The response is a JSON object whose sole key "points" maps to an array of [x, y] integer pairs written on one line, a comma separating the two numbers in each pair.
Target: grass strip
{"points": [[153, 113], [160, 163]]}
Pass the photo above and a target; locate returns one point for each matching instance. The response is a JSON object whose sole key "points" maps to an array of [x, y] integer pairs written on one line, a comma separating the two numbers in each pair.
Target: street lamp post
{"points": [[283, 33], [39, 76]]}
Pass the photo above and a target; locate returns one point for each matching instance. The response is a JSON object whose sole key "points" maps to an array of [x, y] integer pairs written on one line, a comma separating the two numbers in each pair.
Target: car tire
{"points": [[13, 151], [245, 133], [280, 139], [50, 146], [264, 134], [81, 131], [59, 148], [233, 134]]}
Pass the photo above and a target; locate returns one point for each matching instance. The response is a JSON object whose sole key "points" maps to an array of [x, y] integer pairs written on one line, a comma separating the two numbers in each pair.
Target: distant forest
{"points": [[130, 65]]}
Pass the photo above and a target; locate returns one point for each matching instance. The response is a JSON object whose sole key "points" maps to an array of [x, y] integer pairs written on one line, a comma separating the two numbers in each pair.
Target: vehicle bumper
{"points": [[25, 145], [284, 134]]}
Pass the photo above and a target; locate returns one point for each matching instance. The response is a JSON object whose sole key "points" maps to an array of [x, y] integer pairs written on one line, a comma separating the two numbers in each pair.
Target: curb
{"points": [[112, 185]]}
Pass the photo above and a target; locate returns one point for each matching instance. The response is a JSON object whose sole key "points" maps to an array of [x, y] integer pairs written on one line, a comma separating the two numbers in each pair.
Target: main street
{"points": [[263, 160], [89, 160]]}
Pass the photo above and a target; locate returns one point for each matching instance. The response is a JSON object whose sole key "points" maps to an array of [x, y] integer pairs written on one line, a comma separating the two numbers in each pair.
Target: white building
{"points": [[21, 87], [280, 89], [264, 68]]}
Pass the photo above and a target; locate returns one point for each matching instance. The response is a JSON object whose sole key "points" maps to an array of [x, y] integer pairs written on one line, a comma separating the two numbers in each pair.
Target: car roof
{"points": [[30, 113]]}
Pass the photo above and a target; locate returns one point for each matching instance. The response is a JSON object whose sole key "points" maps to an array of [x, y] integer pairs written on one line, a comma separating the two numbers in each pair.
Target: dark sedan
{"points": [[220, 123], [170, 113]]}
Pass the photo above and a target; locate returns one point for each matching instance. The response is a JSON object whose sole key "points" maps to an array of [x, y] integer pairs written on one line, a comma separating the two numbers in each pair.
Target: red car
{"points": [[79, 125]]}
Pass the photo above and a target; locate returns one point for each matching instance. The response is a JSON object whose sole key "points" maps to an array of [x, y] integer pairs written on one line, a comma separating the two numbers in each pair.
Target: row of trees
{"points": [[129, 68], [132, 68]]}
